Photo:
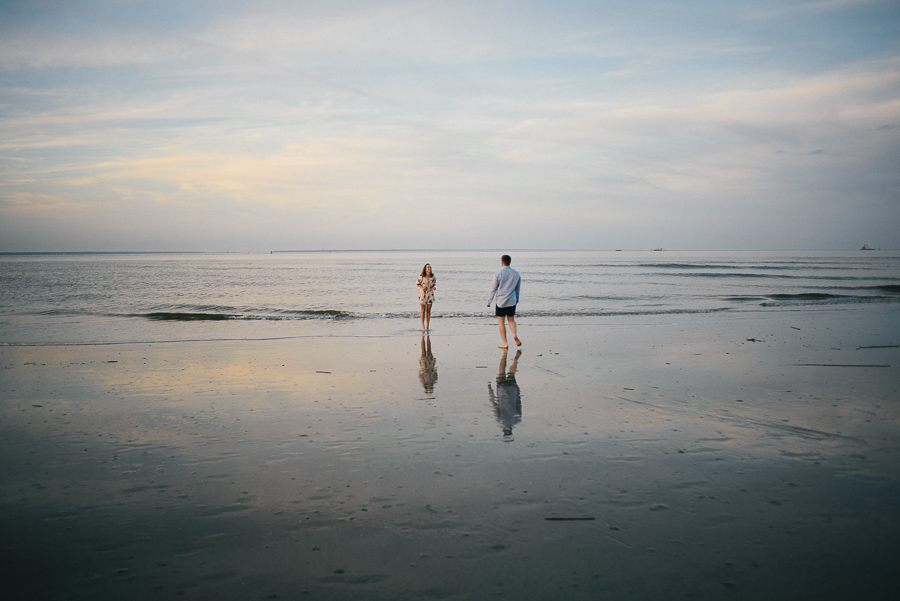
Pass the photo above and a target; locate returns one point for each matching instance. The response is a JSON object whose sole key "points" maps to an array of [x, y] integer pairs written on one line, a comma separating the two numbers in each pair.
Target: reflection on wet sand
{"points": [[148, 471], [507, 401], [427, 366]]}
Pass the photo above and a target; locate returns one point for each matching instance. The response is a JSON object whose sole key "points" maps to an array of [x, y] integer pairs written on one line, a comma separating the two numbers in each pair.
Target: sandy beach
{"points": [[711, 456]]}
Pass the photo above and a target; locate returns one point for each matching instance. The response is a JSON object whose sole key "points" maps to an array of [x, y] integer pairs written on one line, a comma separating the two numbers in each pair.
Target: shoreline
{"points": [[711, 464], [250, 329]]}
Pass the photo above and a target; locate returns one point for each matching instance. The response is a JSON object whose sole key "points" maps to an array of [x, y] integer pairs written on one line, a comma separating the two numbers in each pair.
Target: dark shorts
{"points": [[505, 311]]}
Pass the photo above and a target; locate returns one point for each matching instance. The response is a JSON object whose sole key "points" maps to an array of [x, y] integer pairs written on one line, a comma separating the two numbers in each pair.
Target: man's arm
{"points": [[495, 283]]}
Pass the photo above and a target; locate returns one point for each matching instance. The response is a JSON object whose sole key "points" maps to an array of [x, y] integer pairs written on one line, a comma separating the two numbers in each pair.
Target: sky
{"points": [[222, 126]]}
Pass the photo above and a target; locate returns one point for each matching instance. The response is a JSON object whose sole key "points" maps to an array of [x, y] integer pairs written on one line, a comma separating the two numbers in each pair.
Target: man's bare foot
{"points": [[504, 347], [518, 342]]}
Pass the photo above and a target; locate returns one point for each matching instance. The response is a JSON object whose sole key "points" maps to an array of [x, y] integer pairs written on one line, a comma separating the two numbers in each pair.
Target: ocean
{"points": [[68, 299], [714, 425]]}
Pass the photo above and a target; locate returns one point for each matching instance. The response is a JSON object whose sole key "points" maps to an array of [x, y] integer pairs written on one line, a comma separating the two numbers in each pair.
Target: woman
{"points": [[426, 283]]}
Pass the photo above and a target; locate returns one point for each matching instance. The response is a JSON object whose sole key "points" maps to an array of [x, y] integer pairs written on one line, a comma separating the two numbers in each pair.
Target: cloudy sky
{"points": [[322, 124]]}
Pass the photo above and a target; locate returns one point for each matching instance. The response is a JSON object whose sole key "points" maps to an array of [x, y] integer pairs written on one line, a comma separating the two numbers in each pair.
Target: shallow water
{"points": [[75, 299]]}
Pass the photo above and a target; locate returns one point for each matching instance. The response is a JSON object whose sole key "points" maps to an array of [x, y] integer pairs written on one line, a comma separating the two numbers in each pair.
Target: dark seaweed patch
{"points": [[167, 316]]}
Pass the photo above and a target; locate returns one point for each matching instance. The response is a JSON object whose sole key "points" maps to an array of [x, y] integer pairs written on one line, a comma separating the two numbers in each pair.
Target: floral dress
{"points": [[426, 290]]}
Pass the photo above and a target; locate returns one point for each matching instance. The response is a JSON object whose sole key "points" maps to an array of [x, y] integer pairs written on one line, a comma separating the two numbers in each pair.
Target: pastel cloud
{"points": [[350, 124]]}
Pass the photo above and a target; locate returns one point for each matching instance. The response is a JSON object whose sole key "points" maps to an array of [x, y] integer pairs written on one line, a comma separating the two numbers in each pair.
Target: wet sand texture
{"points": [[651, 459]]}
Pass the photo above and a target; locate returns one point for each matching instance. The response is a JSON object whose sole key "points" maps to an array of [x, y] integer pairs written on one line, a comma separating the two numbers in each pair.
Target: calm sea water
{"points": [[90, 299]]}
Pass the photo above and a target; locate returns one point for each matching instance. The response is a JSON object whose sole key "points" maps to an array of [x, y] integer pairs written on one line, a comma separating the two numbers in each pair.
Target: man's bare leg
{"points": [[512, 328], [502, 324]]}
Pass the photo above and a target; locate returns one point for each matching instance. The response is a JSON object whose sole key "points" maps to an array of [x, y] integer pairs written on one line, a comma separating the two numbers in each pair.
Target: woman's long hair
{"points": [[425, 271]]}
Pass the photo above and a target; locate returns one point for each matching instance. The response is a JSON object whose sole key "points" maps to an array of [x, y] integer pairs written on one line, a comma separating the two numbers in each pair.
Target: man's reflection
{"points": [[427, 366], [507, 401]]}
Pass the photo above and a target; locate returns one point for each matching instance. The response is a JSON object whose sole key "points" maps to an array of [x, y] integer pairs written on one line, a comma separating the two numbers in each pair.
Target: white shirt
{"points": [[506, 285]]}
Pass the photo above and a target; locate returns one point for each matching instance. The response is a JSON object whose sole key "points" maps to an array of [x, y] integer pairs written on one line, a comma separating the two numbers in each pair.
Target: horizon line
{"points": [[349, 250]]}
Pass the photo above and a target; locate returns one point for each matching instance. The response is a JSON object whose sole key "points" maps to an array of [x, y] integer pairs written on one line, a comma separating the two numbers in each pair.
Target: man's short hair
{"points": [[505, 259]]}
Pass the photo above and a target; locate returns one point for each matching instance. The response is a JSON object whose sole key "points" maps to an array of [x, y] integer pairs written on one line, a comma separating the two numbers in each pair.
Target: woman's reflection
{"points": [[507, 401], [427, 366]]}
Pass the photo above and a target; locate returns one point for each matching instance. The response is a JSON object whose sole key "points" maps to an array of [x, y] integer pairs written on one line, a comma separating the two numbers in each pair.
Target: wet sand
{"points": [[718, 456]]}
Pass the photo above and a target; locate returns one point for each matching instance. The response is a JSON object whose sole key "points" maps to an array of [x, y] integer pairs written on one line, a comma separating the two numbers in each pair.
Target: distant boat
{"points": [[658, 249], [866, 247]]}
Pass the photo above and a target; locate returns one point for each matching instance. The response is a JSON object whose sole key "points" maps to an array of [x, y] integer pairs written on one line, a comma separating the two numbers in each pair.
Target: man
{"points": [[506, 285]]}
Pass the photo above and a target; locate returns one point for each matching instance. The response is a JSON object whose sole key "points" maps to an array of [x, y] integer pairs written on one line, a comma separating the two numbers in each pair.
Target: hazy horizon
{"points": [[435, 250]]}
